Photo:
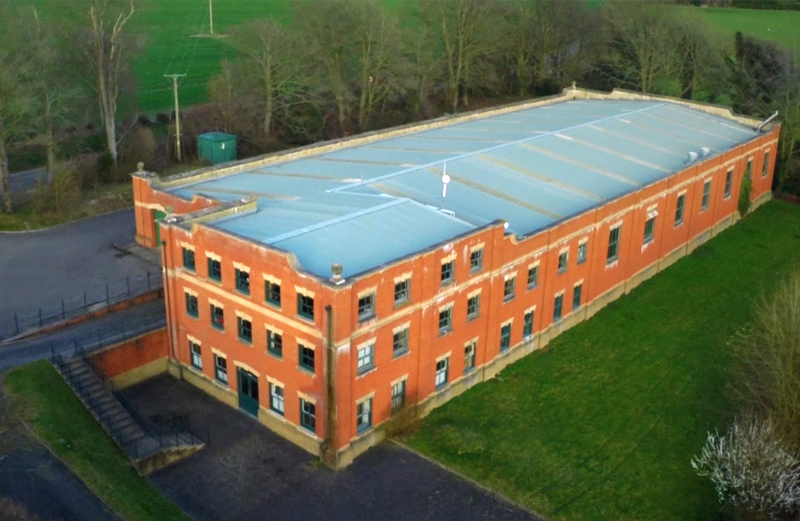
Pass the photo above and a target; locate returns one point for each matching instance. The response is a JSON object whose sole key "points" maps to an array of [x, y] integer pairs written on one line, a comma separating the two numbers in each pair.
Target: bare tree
{"points": [[769, 352], [463, 28], [55, 96], [418, 68], [106, 50], [16, 100], [268, 56], [752, 470], [223, 92]]}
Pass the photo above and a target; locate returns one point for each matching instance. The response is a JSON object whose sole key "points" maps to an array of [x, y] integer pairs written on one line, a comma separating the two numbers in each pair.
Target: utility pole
{"points": [[211, 15], [177, 113]]}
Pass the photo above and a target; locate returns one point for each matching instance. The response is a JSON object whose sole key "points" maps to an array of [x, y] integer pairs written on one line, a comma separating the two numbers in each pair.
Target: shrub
{"points": [[744, 195], [752, 470], [105, 168], [61, 196], [139, 145]]}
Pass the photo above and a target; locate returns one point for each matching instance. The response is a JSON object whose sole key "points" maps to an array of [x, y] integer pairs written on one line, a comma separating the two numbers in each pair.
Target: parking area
{"points": [[249, 473], [42, 267]]}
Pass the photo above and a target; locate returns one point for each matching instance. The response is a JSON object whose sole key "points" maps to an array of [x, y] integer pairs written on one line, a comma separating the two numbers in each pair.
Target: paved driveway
{"points": [[41, 268], [250, 474]]}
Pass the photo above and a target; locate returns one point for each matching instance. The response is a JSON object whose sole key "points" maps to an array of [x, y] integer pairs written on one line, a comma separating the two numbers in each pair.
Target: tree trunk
{"points": [[5, 186], [111, 137], [50, 144]]}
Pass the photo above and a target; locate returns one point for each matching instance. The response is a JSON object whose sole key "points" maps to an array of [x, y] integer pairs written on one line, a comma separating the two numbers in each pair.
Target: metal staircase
{"points": [[148, 450]]}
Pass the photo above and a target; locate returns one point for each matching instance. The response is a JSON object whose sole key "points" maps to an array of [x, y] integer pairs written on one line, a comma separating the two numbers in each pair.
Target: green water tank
{"points": [[216, 147]]}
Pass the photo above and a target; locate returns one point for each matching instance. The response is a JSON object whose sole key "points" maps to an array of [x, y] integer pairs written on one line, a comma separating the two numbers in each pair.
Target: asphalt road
{"points": [[24, 181], [39, 268]]}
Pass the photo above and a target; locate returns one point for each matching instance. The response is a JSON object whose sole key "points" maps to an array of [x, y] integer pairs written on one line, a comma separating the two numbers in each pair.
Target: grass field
{"points": [[779, 26], [603, 423], [63, 423]]}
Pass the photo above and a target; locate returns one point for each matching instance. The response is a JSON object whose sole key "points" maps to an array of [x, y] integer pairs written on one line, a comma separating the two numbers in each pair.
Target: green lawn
{"points": [[63, 423], [602, 424], [779, 26]]}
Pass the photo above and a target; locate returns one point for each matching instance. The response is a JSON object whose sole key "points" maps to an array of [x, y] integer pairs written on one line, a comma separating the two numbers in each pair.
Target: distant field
{"points": [[780, 26]]}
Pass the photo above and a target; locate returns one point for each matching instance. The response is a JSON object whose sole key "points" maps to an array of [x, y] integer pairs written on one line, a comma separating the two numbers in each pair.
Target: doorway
{"points": [[248, 392]]}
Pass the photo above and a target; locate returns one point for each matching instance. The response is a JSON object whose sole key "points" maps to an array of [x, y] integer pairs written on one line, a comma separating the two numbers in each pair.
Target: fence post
{"points": [[16, 323], [63, 310], [40, 317], [128, 284]]}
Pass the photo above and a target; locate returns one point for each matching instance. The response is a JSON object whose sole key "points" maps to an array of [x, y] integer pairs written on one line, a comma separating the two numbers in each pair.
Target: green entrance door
{"points": [[156, 216], [248, 392]]}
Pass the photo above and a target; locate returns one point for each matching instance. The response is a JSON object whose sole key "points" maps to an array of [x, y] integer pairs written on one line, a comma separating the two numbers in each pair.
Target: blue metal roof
{"points": [[366, 205]]}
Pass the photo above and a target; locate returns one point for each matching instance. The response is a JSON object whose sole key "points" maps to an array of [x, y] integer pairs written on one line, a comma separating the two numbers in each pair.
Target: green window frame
{"points": [[469, 356], [306, 357], [649, 230], [728, 184], [613, 244], [221, 369], [308, 416], [473, 307], [275, 343], [214, 270], [563, 261], [748, 171], [533, 277], [706, 195], [557, 307], [400, 342], [505, 337], [765, 164], [442, 372], [366, 307], [217, 317], [189, 260], [402, 292], [398, 395], [509, 287], [679, 209], [192, 306], [277, 402], [445, 320], [364, 415], [448, 272], [272, 293], [366, 359], [245, 329], [527, 324], [582, 252], [196, 355], [243, 281], [305, 306], [576, 296], [476, 261]]}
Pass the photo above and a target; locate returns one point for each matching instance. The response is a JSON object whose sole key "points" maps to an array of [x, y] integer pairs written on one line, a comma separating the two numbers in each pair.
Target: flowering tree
{"points": [[752, 470]]}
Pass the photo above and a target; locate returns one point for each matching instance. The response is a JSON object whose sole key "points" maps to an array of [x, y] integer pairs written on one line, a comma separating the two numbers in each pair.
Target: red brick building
{"points": [[332, 289]]}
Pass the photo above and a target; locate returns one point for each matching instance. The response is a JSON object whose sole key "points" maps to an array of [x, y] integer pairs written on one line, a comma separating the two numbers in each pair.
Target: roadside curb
{"points": [[535, 515], [37, 230]]}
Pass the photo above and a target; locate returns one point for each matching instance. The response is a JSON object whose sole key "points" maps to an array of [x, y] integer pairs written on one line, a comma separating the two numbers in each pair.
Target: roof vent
{"points": [[705, 151], [692, 157], [451, 213], [336, 273]]}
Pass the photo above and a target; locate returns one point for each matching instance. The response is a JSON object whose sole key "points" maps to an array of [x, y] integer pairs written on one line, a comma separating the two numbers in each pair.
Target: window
{"points": [[398, 395], [243, 281], [306, 357], [527, 324], [366, 306], [245, 328], [562, 262], [473, 307], [448, 272], [445, 320], [275, 343], [557, 308], [533, 277], [188, 259], [191, 306], [221, 369], [582, 247], [305, 306], [442, 369], [576, 296], [214, 270], [649, 230], [276, 398], [217, 318], [728, 183], [748, 171], [308, 418], [508, 288], [400, 342], [679, 210], [469, 356], [706, 196], [401, 291], [272, 292], [505, 337], [613, 245], [366, 358], [765, 166], [476, 261], [196, 354], [364, 415]]}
